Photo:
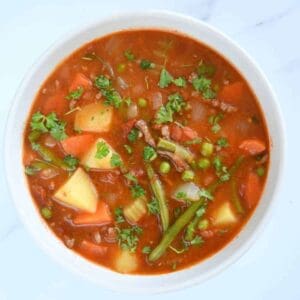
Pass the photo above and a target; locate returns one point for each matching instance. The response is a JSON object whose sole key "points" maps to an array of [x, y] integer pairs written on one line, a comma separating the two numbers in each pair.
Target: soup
{"points": [[145, 151]]}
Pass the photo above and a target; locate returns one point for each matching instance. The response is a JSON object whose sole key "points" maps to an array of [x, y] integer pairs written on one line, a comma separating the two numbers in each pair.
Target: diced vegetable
{"points": [[159, 194], [252, 189], [134, 211], [103, 161], [182, 133], [188, 175], [46, 212], [224, 215], [203, 163], [142, 102], [78, 192], [95, 117], [80, 80], [253, 146], [232, 93], [102, 216], [93, 249], [187, 191], [77, 145], [203, 224], [126, 262]]}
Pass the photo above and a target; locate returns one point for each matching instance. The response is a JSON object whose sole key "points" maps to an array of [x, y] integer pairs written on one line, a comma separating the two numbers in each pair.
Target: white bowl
{"points": [[17, 181]]}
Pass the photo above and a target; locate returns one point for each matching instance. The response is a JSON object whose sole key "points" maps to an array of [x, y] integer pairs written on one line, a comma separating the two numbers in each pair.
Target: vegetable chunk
{"points": [[134, 211], [126, 262], [97, 158], [95, 117], [77, 145], [224, 215], [78, 192]]}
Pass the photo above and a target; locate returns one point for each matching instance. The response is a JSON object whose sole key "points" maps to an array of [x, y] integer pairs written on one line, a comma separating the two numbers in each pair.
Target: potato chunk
{"points": [[224, 215], [95, 117], [78, 192], [126, 262], [90, 160]]}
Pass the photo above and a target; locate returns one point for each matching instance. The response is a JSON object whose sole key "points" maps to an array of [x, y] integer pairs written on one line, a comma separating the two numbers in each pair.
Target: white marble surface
{"points": [[269, 31]]}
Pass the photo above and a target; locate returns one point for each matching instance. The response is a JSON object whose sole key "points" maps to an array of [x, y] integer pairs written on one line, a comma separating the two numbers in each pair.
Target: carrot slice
{"points": [[252, 190], [232, 93], [93, 249], [56, 103], [253, 146], [80, 80], [101, 217], [77, 145]]}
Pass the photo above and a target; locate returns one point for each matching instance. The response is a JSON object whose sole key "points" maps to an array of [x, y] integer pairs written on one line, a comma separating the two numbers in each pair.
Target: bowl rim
{"points": [[134, 283]]}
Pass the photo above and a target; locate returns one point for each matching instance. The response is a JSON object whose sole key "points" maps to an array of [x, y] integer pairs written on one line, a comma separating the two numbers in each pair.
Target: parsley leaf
{"points": [[165, 113], [102, 150], [153, 207], [76, 94], [222, 142], [131, 177], [102, 82], [129, 55], [146, 64], [206, 70], [203, 85], [149, 153], [137, 191], [146, 250], [133, 135], [180, 82], [206, 194], [197, 240], [49, 123], [214, 121], [128, 238], [165, 78], [221, 170], [181, 196], [115, 160], [119, 215], [71, 161]]}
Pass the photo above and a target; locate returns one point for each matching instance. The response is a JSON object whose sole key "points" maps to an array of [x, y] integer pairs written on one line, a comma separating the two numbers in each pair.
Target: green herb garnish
{"points": [[128, 238], [102, 150], [115, 160], [149, 154]]}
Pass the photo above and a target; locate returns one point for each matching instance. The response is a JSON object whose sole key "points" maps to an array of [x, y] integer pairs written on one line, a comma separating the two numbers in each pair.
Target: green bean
{"points": [[191, 228], [34, 136], [37, 166], [186, 217], [181, 151], [50, 157], [235, 198], [159, 194]]}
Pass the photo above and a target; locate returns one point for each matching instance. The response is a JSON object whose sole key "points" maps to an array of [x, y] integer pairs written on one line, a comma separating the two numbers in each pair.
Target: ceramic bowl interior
{"points": [[17, 181]]}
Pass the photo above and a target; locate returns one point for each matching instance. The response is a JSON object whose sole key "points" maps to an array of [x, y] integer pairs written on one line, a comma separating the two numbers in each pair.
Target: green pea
{"points": [[46, 212], [203, 224], [121, 68], [188, 175], [164, 167], [207, 149], [142, 102], [260, 171], [203, 163]]}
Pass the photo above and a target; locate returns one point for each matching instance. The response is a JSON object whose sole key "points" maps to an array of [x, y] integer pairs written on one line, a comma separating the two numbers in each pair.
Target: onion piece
{"points": [[132, 111], [122, 83], [187, 191]]}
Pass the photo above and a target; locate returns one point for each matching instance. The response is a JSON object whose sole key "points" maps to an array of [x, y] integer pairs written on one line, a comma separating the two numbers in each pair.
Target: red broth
{"points": [[129, 134]]}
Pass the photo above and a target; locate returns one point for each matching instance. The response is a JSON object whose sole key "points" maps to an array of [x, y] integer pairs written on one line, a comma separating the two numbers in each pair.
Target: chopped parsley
{"points": [[203, 85], [133, 135], [115, 160], [214, 122], [111, 96], [197, 241], [76, 94], [129, 55], [165, 78], [102, 150], [119, 215], [137, 191], [128, 238], [206, 70], [181, 196], [180, 82], [49, 123], [222, 142], [149, 154], [205, 193], [146, 64], [153, 207], [221, 170], [71, 161], [146, 250], [165, 113], [131, 177]]}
